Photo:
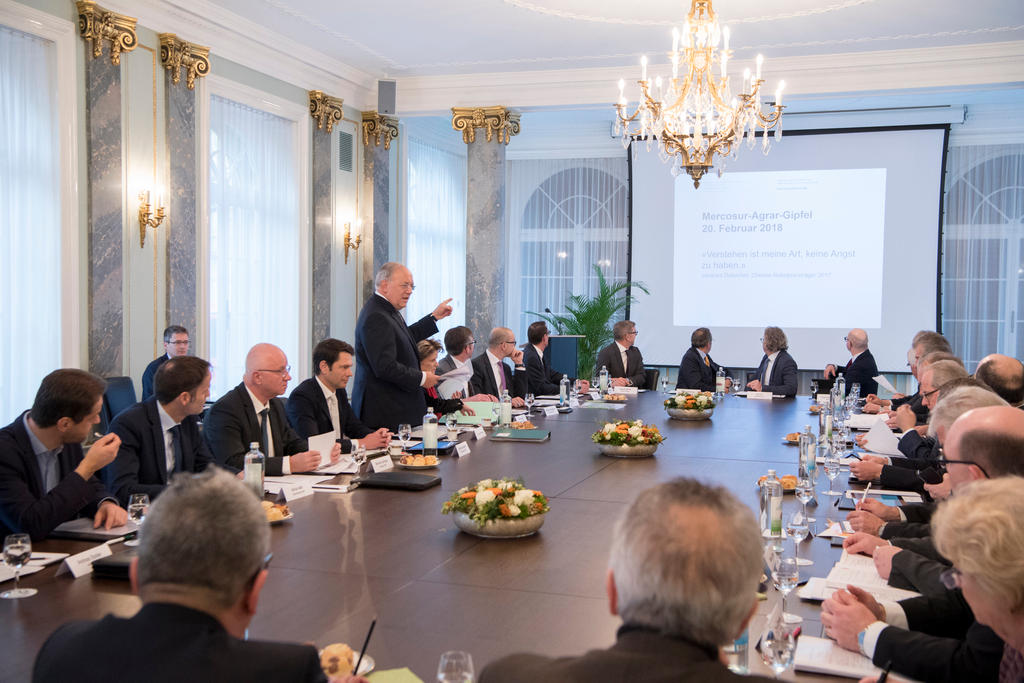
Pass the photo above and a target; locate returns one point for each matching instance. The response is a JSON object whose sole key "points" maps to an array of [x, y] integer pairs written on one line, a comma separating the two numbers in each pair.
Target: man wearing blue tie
{"points": [[777, 371]]}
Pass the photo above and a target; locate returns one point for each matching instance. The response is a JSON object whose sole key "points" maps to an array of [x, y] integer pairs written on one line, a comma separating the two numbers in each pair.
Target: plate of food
{"points": [[417, 462], [788, 482], [793, 439], [525, 424], [615, 398], [277, 513], [814, 409], [337, 660]]}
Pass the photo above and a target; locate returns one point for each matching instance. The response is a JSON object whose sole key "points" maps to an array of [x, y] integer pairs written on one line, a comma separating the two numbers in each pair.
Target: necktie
{"points": [[501, 377], [265, 430], [625, 364], [332, 408], [764, 377], [849, 363], [177, 465], [707, 361], [1011, 668]]}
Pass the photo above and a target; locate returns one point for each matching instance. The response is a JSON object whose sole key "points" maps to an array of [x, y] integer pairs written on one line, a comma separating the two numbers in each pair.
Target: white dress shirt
{"points": [[286, 465], [625, 362], [766, 378], [166, 424], [497, 371], [332, 407]]}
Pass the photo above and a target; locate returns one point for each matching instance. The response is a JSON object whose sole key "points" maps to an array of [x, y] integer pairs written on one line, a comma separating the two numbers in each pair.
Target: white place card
{"points": [[519, 418], [625, 391], [462, 448], [595, 395], [382, 464], [289, 491], [81, 564], [550, 411], [760, 395], [479, 433], [574, 402], [822, 399]]}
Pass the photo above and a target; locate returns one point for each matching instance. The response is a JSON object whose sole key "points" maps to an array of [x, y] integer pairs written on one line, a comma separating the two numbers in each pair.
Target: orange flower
{"points": [[505, 512], [468, 495]]}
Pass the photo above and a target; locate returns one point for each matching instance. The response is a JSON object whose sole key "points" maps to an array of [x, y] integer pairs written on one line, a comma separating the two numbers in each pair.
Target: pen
{"points": [[885, 673], [865, 494], [365, 643]]}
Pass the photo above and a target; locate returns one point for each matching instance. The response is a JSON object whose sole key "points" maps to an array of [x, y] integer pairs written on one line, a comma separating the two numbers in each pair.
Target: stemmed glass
{"points": [[451, 424], [785, 576], [359, 454], [577, 388], [404, 432], [17, 551], [530, 400], [778, 646], [797, 528], [832, 470], [664, 385], [455, 667], [804, 493], [138, 506]]}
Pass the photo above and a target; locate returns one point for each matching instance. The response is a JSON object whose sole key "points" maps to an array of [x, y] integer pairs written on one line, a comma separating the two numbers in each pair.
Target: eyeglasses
{"points": [[407, 285], [471, 342], [633, 333], [943, 460], [513, 342], [180, 343], [281, 371], [846, 339], [951, 578], [929, 393], [263, 566]]}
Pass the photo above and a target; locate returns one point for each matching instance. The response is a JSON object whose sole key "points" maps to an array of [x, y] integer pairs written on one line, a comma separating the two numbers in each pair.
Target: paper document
{"points": [[82, 528], [454, 380], [885, 384], [6, 573], [345, 465], [303, 479], [823, 655], [855, 570], [864, 421], [834, 530], [883, 492], [322, 444], [817, 588], [843, 462], [880, 439]]}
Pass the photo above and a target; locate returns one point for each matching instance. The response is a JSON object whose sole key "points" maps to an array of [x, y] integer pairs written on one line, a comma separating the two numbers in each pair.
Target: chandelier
{"points": [[694, 116]]}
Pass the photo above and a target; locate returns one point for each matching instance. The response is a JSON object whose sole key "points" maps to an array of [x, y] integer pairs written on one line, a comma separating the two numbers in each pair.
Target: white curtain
{"points": [[983, 249], [436, 222], [30, 229], [563, 216], [254, 237]]}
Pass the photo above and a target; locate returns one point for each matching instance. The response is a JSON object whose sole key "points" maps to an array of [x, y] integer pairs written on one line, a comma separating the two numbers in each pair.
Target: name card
{"points": [[688, 392], [595, 395], [479, 433], [382, 464], [519, 418], [81, 564], [760, 395], [574, 402], [625, 391], [461, 449], [550, 411], [286, 491], [822, 399]]}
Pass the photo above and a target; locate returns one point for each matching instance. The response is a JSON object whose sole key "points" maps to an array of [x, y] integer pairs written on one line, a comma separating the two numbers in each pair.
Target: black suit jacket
{"points": [[693, 374], [141, 462], [482, 381], [610, 358], [913, 571], [309, 415], [232, 424], [783, 380], [149, 374], [540, 378], [386, 388], [861, 371], [638, 656], [24, 507], [166, 642]]}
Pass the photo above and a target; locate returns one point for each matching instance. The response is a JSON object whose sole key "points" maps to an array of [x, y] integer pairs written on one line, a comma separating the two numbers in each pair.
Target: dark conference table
{"points": [[347, 558]]}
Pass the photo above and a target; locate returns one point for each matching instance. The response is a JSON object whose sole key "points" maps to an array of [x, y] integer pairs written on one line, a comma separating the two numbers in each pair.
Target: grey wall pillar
{"points": [[378, 132], [323, 235], [181, 223]]}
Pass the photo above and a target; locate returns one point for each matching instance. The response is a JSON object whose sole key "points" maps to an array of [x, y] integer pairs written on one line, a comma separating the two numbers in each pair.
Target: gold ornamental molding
{"points": [[493, 119], [96, 25], [379, 126], [324, 109], [177, 54]]}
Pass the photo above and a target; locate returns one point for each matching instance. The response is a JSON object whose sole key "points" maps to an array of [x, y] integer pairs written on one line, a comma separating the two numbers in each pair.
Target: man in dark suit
{"points": [[623, 359], [459, 344], [491, 375], [540, 378], [201, 566], [158, 436], [44, 478], [320, 404], [696, 369], [677, 607], [176, 343], [861, 368], [251, 412], [388, 381], [777, 371]]}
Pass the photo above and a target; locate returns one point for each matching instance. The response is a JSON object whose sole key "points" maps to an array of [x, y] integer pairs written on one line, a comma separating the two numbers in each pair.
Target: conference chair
{"points": [[651, 376], [120, 394]]}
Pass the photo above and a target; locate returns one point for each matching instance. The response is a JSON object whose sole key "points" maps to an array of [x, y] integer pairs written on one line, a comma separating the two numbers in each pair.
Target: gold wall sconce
{"points": [[147, 218], [351, 243]]}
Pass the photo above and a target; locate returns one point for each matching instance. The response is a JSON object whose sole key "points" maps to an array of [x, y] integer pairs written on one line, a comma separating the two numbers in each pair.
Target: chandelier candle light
{"points": [[696, 116]]}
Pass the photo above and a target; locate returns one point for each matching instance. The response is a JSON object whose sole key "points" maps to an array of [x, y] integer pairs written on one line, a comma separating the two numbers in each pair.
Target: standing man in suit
{"points": [[777, 371], [696, 369], [176, 343], [44, 478], [623, 359], [491, 375], [320, 404], [388, 378], [459, 343], [684, 567], [861, 368], [157, 438], [252, 412], [201, 567]]}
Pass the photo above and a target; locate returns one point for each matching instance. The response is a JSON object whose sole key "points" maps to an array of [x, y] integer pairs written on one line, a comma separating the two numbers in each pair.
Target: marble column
{"points": [[378, 132], [106, 223], [323, 235], [181, 223], [485, 212]]}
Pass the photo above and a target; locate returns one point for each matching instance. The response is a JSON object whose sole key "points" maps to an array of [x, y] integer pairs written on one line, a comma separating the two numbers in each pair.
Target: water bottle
{"points": [[737, 654], [505, 415], [807, 453], [563, 391], [771, 506], [430, 433], [841, 387], [720, 382], [603, 380], [253, 469]]}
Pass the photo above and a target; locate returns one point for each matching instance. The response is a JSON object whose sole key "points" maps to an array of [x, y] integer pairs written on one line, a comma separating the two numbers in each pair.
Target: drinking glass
{"points": [[785, 576], [359, 454], [855, 391], [778, 646], [577, 388], [451, 424], [530, 400], [664, 385], [138, 506], [804, 493], [455, 667], [404, 432], [796, 527], [17, 551], [832, 470]]}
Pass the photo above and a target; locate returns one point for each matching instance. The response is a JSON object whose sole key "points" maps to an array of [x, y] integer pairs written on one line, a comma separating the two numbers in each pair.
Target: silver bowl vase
{"points": [[680, 414], [500, 528], [641, 451]]}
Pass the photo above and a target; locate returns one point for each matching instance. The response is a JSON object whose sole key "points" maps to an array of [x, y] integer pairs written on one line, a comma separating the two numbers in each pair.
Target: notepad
{"points": [[531, 435], [817, 589], [822, 655], [81, 529]]}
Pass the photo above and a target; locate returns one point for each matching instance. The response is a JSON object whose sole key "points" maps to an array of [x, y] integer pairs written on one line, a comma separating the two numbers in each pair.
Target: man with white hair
{"points": [[683, 573], [861, 368], [201, 566]]}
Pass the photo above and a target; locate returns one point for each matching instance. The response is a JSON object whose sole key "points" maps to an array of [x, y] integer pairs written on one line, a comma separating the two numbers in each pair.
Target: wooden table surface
{"points": [[347, 558]]}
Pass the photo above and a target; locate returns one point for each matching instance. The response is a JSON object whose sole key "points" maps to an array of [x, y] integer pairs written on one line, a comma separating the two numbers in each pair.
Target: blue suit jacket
{"points": [[149, 374], [783, 380], [309, 415], [693, 374], [540, 378], [386, 388]]}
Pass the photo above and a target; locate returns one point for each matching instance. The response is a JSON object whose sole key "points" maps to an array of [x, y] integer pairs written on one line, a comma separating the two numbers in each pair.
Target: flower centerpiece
{"points": [[627, 439], [697, 406], [497, 508]]}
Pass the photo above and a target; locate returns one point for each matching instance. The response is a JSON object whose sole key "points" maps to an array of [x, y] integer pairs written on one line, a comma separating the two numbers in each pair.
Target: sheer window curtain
{"points": [[564, 216], [30, 219], [254, 238], [436, 242]]}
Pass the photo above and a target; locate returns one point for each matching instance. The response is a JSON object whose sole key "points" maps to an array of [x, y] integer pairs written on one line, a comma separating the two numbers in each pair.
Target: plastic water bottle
{"points": [[563, 391], [771, 506], [841, 387], [430, 433], [720, 382], [505, 416], [807, 453], [737, 654], [253, 469], [603, 380]]}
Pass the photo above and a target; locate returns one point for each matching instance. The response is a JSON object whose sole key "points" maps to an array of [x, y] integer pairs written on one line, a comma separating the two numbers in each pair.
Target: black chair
{"points": [[651, 376], [120, 394]]}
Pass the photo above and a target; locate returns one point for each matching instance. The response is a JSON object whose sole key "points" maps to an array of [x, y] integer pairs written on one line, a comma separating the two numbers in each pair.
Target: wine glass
{"points": [[664, 385], [796, 527], [778, 646], [404, 432], [138, 506], [785, 576], [805, 493], [451, 423], [17, 551], [577, 388], [455, 667], [530, 400], [832, 471]]}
